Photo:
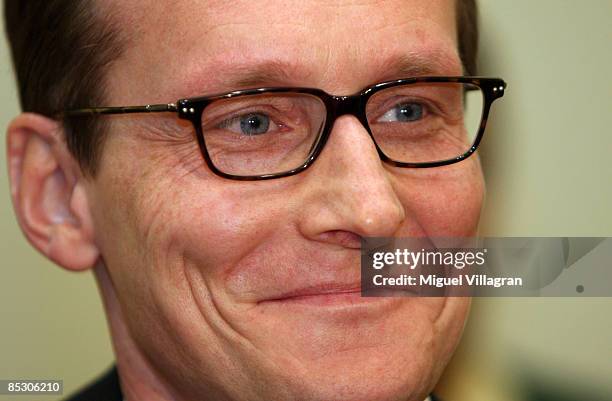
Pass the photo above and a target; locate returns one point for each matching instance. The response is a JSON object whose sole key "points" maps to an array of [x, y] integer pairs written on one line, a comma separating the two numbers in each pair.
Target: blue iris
{"points": [[254, 124], [408, 112]]}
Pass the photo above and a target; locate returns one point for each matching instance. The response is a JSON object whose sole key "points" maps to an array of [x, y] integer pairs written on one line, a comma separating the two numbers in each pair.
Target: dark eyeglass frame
{"points": [[192, 109]]}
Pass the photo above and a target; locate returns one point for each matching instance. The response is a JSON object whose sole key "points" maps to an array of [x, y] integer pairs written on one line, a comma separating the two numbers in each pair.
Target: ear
{"points": [[48, 192]]}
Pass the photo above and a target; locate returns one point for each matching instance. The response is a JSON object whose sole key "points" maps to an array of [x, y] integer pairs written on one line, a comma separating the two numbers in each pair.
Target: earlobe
{"points": [[48, 193]]}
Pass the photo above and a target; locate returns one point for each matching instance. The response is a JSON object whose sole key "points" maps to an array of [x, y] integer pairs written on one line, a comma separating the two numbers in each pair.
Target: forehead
{"points": [[189, 48]]}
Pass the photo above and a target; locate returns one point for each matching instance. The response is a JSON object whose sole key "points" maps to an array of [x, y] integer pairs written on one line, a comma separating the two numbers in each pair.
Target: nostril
{"points": [[347, 239]]}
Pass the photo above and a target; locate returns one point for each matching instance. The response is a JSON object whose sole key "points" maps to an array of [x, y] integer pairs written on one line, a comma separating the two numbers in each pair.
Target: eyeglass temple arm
{"points": [[149, 108]]}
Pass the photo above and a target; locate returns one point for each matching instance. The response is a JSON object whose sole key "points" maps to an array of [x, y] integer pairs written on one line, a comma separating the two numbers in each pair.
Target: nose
{"points": [[350, 194]]}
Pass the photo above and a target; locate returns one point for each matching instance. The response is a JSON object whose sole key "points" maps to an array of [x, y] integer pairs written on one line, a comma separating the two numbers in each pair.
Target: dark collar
{"points": [[106, 388]]}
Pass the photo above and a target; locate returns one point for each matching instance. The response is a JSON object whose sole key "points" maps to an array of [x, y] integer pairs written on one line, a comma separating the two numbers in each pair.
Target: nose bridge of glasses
{"points": [[351, 105]]}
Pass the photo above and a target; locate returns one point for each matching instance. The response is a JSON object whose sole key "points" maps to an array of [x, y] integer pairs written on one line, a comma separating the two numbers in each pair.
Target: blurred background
{"points": [[547, 156]]}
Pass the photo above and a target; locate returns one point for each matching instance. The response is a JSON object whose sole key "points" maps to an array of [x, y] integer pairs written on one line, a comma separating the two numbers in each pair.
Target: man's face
{"points": [[249, 290]]}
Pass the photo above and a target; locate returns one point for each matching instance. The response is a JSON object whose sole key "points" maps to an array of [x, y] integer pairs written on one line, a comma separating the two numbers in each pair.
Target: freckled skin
{"points": [[191, 256]]}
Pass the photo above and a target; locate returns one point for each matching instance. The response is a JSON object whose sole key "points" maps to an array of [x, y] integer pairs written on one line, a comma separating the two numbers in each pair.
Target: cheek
{"points": [[444, 201], [178, 222], [163, 232]]}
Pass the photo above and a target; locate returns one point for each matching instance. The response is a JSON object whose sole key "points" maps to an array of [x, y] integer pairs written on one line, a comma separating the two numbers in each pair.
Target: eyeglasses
{"points": [[265, 133]]}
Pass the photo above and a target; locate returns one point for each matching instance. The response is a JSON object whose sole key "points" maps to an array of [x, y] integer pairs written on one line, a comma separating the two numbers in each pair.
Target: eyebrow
{"points": [[267, 73], [419, 64], [281, 72]]}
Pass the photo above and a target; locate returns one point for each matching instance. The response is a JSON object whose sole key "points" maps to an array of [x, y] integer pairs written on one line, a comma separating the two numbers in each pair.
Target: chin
{"points": [[397, 353], [369, 374]]}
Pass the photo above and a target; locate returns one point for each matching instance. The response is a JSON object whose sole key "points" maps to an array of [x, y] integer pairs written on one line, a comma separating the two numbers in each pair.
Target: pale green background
{"points": [[547, 156]]}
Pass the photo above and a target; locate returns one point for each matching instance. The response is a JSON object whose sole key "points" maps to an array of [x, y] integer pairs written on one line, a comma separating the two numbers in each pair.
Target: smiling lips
{"points": [[322, 294], [319, 290]]}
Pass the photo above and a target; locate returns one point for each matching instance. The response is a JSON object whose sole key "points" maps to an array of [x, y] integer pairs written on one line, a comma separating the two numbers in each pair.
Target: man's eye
{"points": [[249, 124], [403, 112]]}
